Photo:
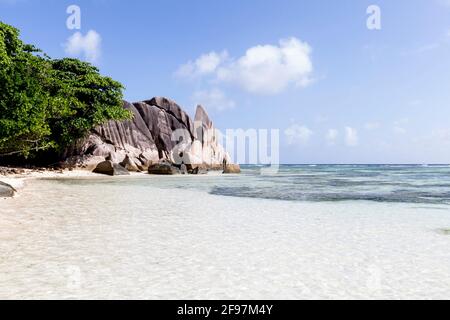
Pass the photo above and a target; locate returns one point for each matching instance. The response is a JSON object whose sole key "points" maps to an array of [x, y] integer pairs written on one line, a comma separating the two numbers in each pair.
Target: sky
{"points": [[341, 83]]}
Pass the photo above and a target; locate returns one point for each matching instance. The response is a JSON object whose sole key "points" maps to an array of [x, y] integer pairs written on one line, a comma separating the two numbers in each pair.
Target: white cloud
{"points": [[214, 99], [331, 136], [88, 46], [351, 137], [206, 64], [271, 69], [297, 134], [264, 69]]}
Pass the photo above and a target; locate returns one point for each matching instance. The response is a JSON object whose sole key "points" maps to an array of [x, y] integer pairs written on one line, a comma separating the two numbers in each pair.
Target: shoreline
{"points": [[19, 179]]}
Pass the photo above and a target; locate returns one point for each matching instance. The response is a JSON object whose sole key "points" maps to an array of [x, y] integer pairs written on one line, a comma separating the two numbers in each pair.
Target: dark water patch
{"points": [[297, 195], [432, 208]]}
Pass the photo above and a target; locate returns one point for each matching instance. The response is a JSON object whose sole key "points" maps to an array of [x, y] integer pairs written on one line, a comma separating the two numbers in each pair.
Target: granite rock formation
{"points": [[159, 131]]}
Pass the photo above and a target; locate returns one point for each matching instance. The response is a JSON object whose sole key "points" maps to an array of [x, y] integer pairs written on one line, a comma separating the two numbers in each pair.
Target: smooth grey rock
{"points": [[232, 168], [6, 191], [144, 164], [130, 164], [160, 125], [183, 169], [123, 134], [163, 168], [111, 169], [202, 123], [172, 108], [198, 170]]}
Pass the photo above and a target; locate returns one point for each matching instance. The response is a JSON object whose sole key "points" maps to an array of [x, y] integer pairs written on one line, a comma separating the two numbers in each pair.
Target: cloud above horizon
{"points": [[351, 137], [331, 136], [88, 46], [263, 69], [297, 134]]}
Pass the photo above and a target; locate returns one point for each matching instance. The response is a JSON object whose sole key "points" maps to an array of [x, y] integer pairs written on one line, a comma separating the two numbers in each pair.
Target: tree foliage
{"points": [[48, 104]]}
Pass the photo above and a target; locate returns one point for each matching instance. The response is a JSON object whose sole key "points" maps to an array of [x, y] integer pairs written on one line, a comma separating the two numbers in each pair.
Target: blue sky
{"points": [[337, 91]]}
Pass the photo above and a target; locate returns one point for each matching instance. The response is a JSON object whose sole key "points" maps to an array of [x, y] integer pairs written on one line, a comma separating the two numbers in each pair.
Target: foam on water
{"points": [[169, 237]]}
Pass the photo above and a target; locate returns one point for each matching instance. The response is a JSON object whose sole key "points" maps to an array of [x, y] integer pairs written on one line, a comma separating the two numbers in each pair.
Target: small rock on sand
{"points": [[6, 190]]}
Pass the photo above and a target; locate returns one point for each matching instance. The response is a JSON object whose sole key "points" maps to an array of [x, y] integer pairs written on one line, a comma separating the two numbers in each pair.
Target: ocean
{"points": [[427, 184], [310, 231]]}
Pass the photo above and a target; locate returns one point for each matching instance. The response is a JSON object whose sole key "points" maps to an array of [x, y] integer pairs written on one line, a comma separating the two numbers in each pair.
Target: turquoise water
{"points": [[415, 184], [381, 183]]}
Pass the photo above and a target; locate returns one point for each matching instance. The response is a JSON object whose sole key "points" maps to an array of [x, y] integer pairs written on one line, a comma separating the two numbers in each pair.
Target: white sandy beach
{"points": [[19, 181], [115, 240]]}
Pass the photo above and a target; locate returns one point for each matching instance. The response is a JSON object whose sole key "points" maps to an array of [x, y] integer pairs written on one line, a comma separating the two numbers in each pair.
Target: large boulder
{"points": [[111, 169], [131, 164], [6, 190], [232, 168], [163, 168], [198, 170]]}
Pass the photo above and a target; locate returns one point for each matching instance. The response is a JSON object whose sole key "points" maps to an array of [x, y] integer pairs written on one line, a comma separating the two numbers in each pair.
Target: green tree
{"points": [[23, 98], [48, 104], [81, 100]]}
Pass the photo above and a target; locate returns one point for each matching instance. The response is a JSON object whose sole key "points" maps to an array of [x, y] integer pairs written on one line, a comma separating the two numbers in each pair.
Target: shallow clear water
{"points": [[309, 232], [381, 183], [317, 183], [321, 183]]}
